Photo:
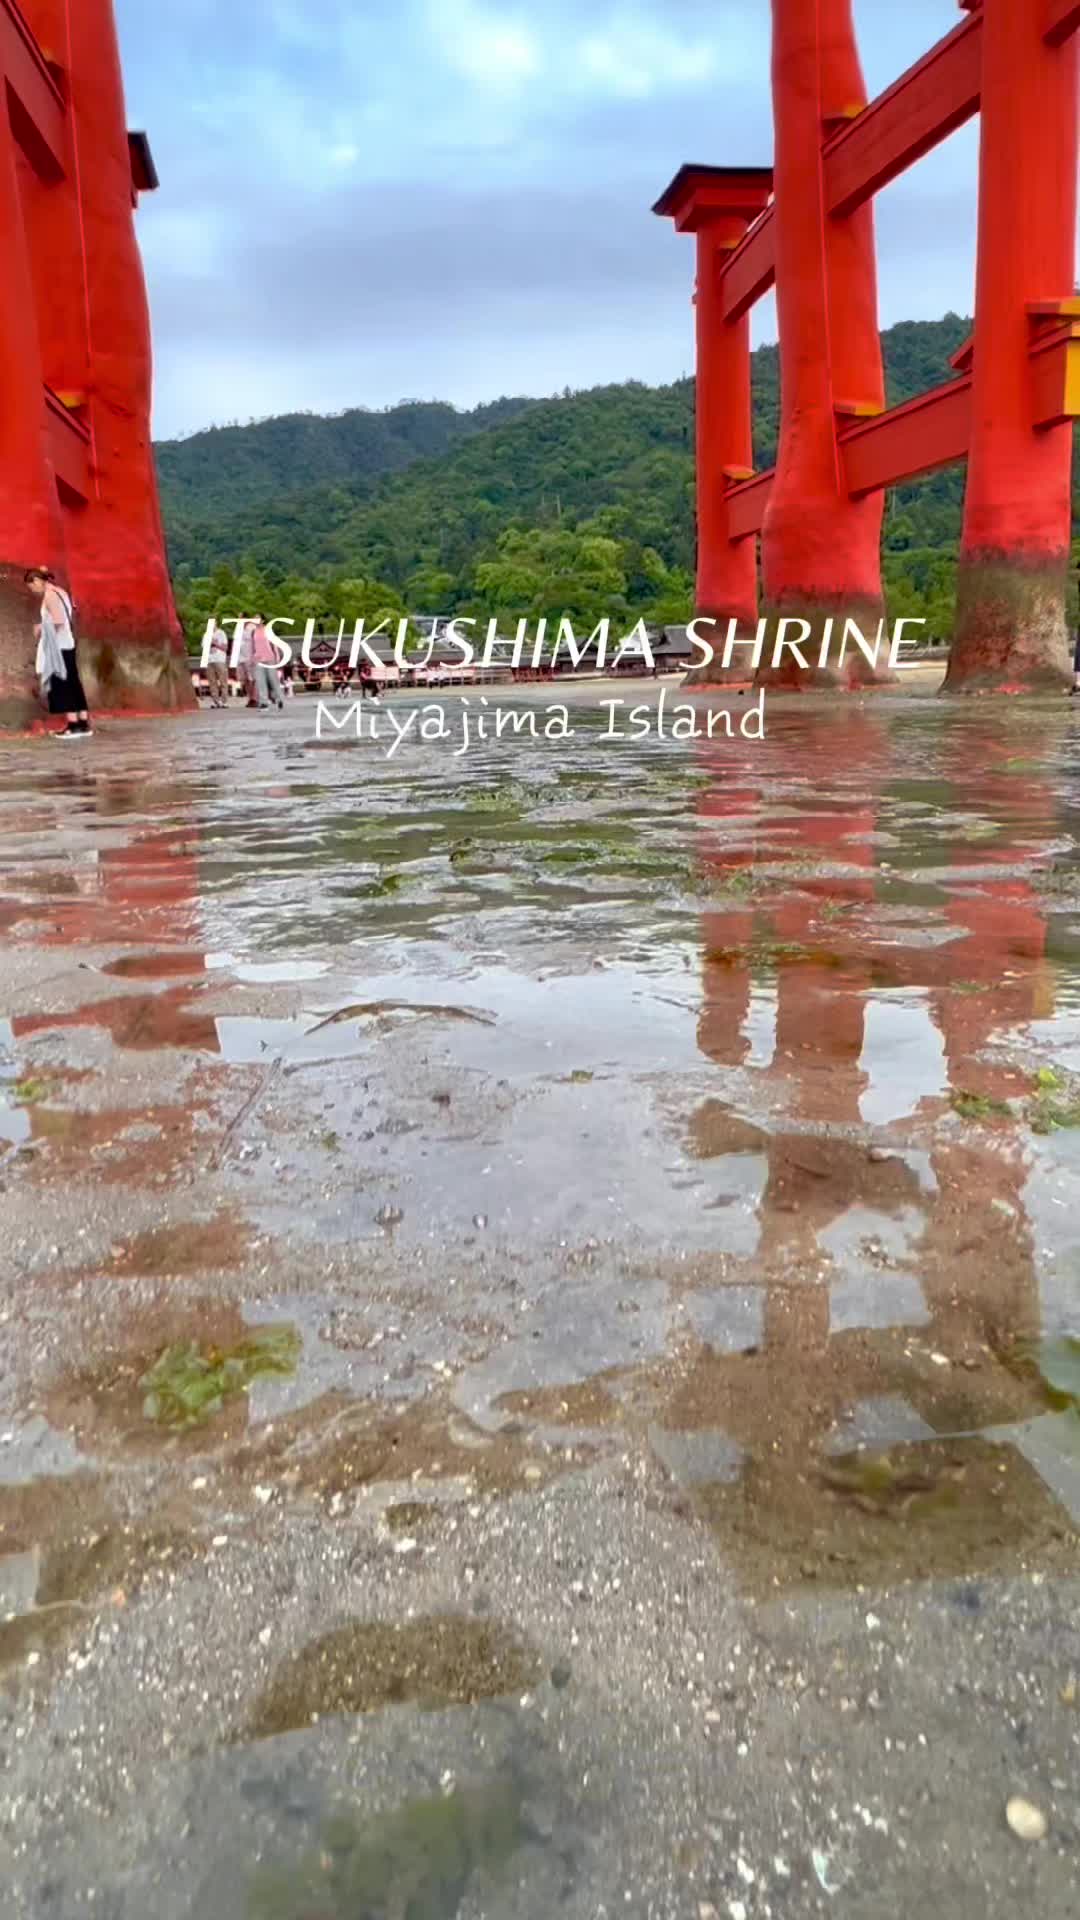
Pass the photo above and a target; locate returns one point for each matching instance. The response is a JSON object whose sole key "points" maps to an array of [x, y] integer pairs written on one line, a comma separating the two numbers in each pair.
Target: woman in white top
{"points": [[57, 658]]}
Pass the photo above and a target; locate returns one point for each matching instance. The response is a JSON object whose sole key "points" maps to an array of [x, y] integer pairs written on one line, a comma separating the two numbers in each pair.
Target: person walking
{"points": [[57, 655], [245, 660], [267, 682], [217, 668]]}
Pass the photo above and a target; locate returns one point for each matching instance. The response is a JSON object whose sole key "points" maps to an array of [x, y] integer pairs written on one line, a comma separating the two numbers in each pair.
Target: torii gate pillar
{"points": [[717, 205], [116, 547], [1010, 619], [821, 548], [78, 490]]}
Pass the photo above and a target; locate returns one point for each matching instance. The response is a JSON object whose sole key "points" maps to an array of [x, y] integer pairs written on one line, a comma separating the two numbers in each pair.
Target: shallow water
{"points": [[700, 1135]]}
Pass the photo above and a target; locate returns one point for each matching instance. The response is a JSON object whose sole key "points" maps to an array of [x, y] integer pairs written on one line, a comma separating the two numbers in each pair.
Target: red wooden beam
{"points": [[930, 431], [69, 447], [928, 102], [751, 268], [1062, 18], [746, 505], [1055, 371], [35, 103], [900, 444]]}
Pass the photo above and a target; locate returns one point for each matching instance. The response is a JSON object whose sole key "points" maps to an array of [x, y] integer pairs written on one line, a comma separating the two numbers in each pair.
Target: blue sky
{"points": [[367, 200]]}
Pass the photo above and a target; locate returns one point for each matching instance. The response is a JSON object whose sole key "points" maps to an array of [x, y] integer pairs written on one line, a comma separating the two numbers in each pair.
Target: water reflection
{"points": [[902, 1279], [728, 1222]]}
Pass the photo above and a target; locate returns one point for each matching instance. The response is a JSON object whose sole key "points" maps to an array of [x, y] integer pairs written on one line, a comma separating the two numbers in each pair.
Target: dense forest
{"points": [[581, 504]]}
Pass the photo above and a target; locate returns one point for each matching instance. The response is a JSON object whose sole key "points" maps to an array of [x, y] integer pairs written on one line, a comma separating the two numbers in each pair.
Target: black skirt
{"points": [[68, 696]]}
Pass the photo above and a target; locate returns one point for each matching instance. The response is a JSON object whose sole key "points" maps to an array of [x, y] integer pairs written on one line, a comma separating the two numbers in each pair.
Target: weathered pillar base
{"points": [[19, 705], [1010, 634], [133, 671], [846, 668], [713, 673]]}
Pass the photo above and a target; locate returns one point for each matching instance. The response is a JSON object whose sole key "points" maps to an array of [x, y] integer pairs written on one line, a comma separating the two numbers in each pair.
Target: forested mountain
{"points": [[522, 507], [226, 470]]}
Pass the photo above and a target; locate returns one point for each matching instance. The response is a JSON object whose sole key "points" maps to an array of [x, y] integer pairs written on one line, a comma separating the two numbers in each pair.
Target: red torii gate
{"points": [[806, 225], [78, 489]]}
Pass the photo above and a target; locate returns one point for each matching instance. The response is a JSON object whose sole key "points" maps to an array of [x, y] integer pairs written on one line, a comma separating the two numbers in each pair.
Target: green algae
{"points": [[1055, 1363], [978, 1106], [414, 1863], [188, 1384], [1055, 1107], [27, 1093], [381, 888]]}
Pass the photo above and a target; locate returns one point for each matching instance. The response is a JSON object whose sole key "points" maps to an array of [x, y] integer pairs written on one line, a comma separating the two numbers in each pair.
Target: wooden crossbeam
{"points": [[746, 505], [931, 431], [69, 446], [934, 97], [34, 101], [1055, 370], [900, 444], [750, 270], [928, 102]]}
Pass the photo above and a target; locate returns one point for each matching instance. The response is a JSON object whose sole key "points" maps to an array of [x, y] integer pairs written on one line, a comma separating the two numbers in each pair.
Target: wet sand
{"points": [[538, 1320]]}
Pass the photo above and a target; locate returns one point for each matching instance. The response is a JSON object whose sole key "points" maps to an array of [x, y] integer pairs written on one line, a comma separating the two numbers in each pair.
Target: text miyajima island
{"points": [[539, 960]]}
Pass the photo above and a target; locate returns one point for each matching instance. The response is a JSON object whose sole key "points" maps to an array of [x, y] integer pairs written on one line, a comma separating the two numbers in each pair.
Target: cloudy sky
{"points": [[367, 200]]}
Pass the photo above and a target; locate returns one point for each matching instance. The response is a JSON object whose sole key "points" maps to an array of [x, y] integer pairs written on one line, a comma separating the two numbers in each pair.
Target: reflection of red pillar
{"points": [[128, 621], [727, 931], [1010, 622], [821, 549], [28, 511], [1005, 923], [718, 204]]}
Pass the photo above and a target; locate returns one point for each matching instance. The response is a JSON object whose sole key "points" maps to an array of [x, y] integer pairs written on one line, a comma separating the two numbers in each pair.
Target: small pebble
{"points": [[1027, 1821]]}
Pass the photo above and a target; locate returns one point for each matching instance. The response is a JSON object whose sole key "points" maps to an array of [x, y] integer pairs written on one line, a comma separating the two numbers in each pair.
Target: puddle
{"points": [[184, 1373], [68, 1560], [155, 966], [952, 1509], [744, 1214], [268, 973], [439, 1661], [191, 1246]]}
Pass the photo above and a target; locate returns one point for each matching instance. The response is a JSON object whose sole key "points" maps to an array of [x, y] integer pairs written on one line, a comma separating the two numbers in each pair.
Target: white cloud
{"points": [[491, 51], [634, 60]]}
